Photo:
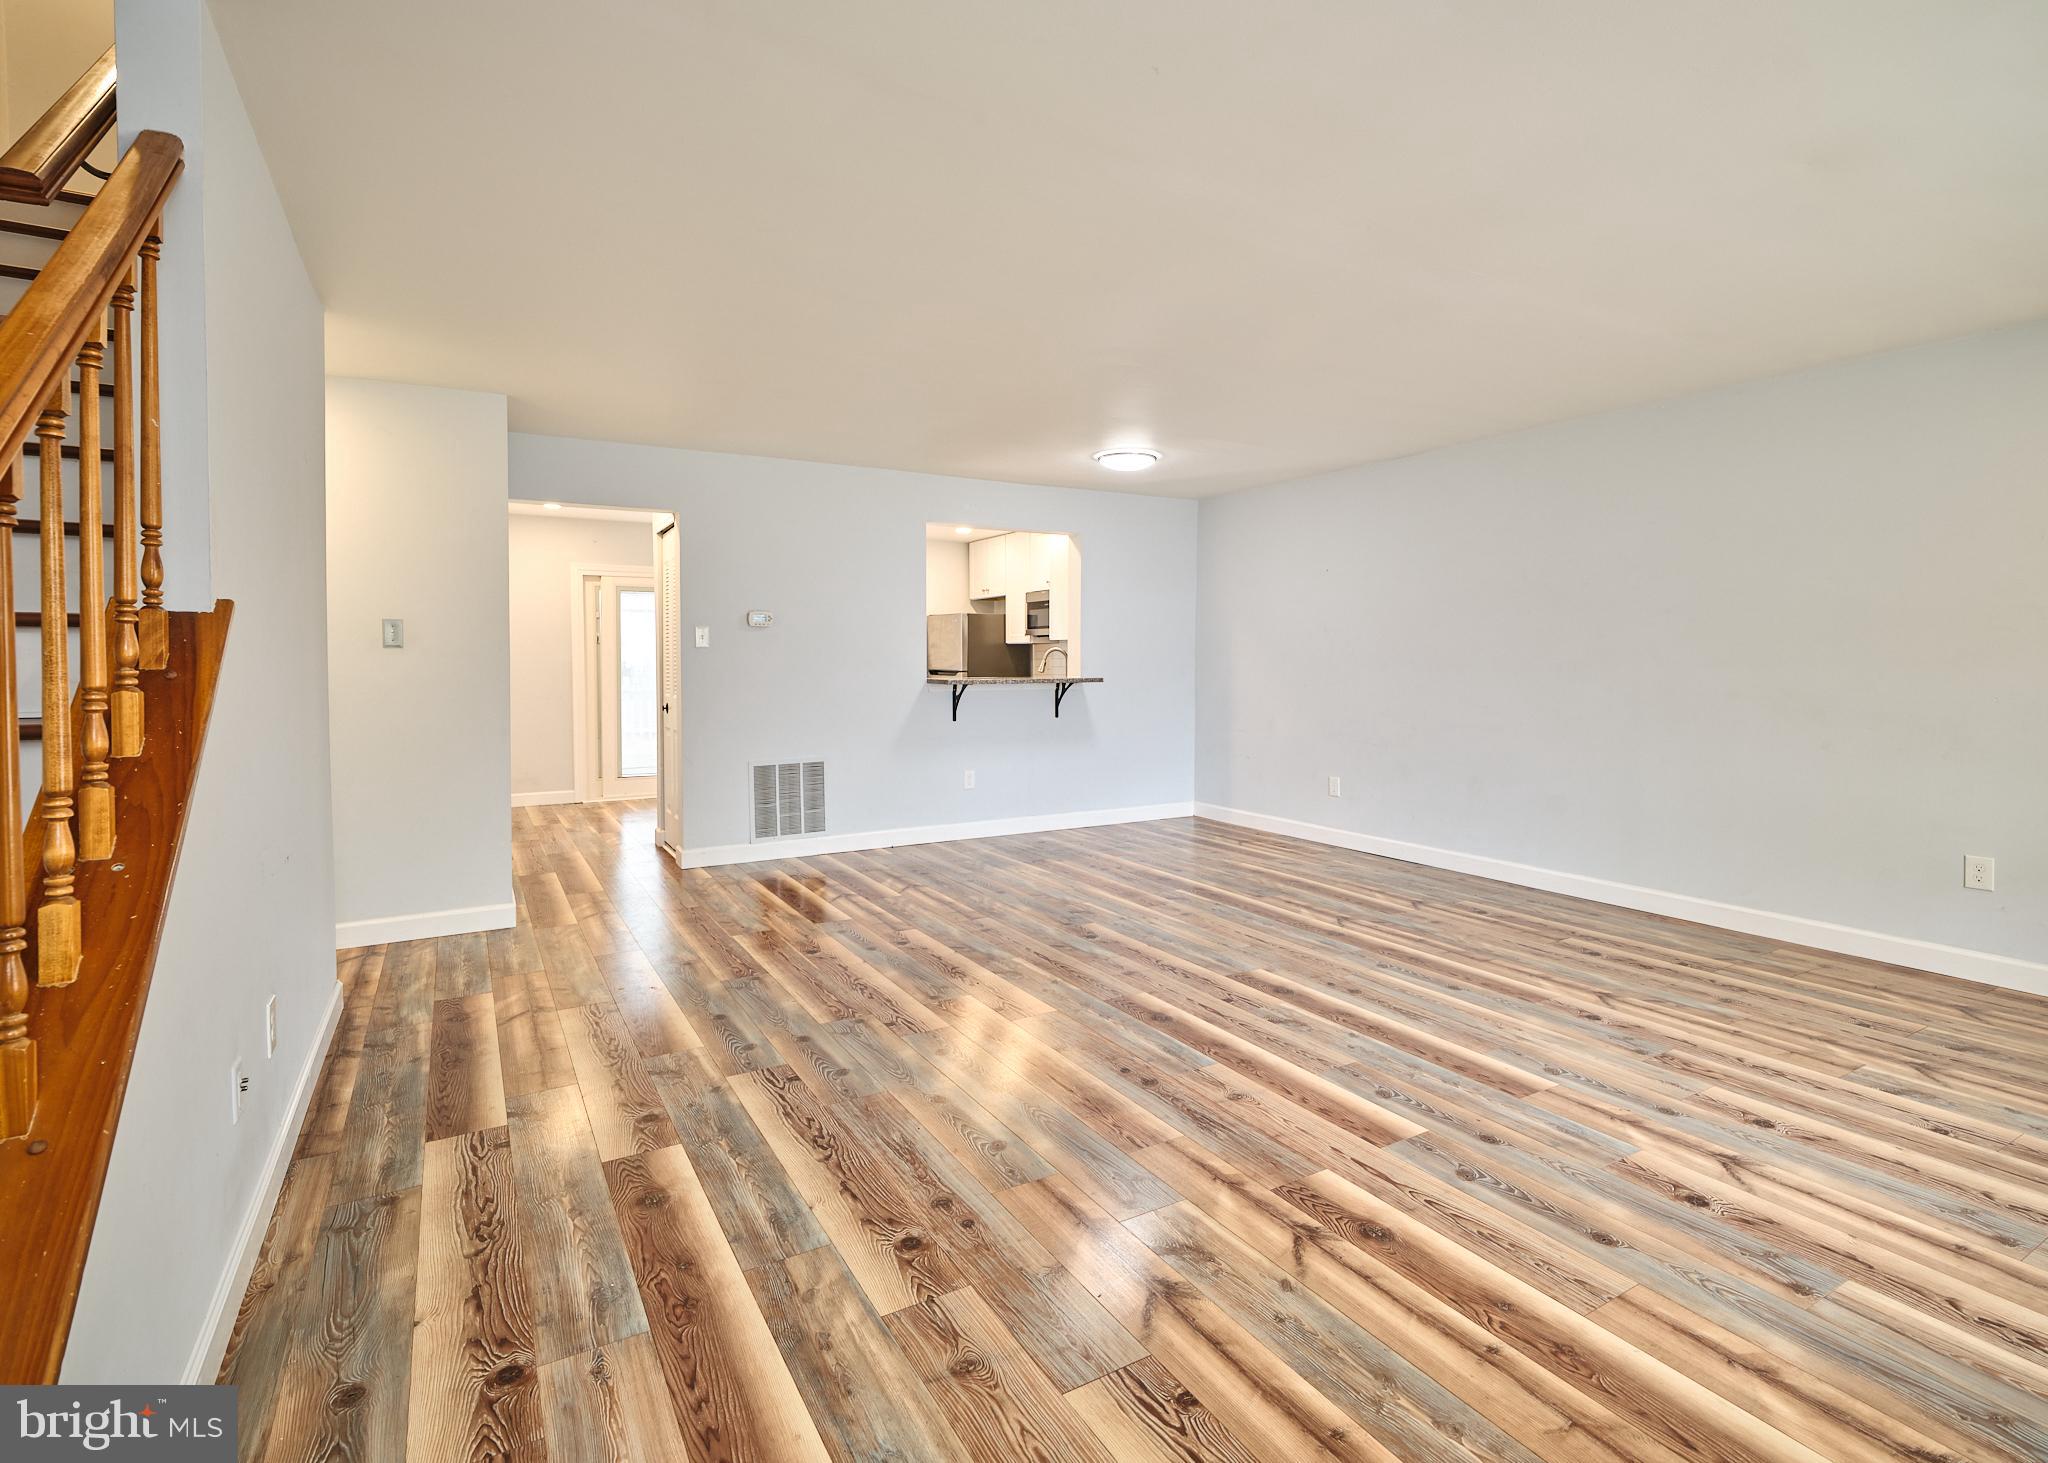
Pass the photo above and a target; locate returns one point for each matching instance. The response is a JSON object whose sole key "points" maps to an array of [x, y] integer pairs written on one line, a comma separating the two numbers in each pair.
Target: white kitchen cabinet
{"points": [[1017, 583], [1045, 558], [989, 566], [1063, 586], [1012, 566]]}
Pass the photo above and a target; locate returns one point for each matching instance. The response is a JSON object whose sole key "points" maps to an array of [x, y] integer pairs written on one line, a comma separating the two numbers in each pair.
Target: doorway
{"points": [[622, 691], [592, 606]]}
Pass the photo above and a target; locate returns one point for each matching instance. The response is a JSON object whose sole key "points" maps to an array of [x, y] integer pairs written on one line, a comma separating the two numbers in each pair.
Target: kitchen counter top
{"points": [[1060, 685], [1011, 680]]}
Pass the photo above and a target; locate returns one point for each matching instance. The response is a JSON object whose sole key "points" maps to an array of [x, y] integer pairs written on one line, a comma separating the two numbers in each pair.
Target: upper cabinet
{"points": [[1016, 563], [1046, 557], [988, 566], [1063, 585]]}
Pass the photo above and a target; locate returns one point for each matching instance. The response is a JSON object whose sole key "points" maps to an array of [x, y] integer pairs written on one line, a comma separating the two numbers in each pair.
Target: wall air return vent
{"points": [[789, 798]]}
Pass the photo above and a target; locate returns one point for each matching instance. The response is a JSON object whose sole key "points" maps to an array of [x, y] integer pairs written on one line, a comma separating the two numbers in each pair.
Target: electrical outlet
{"points": [[969, 783], [703, 637], [270, 1027], [1979, 872], [394, 634], [238, 1088], [1336, 787]]}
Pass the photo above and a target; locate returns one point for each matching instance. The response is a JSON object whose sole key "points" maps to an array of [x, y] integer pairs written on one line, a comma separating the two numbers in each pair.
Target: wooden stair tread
{"points": [[31, 728], [18, 271], [33, 619]]}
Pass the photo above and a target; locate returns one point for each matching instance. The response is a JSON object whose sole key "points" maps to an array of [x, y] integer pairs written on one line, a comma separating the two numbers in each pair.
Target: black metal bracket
{"points": [[1059, 694]]}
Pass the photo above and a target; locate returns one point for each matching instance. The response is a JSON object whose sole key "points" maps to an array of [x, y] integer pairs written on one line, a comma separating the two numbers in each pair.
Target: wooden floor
{"points": [[1169, 1140]]}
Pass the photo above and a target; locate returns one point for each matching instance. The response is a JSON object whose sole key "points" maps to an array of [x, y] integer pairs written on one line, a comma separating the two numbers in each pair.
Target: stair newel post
{"points": [[95, 792], [126, 697], [58, 946], [17, 1051], [152, 626]]}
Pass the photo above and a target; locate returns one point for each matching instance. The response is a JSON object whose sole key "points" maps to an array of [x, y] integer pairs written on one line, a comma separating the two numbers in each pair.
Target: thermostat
{"points": [[759, 619]]}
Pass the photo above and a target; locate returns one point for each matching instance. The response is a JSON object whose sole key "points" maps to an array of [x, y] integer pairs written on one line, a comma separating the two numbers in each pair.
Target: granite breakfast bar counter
{"points": [[1060, 685]]}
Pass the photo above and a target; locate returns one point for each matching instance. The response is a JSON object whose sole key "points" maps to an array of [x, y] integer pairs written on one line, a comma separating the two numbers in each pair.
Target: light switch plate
{"points": [[703, 637], [394, 634]]}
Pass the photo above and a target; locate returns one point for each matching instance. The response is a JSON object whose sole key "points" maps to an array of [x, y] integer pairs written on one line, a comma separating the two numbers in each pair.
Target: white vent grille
{"points": [[789, 798]]}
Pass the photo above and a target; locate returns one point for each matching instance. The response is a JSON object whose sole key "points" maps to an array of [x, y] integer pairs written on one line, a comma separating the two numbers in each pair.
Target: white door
{"points": [[628, 659], [668, 558]]}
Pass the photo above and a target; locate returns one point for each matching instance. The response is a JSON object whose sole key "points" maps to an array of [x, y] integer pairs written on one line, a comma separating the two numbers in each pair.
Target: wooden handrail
{"points": [[43, 159], [41, 335]]}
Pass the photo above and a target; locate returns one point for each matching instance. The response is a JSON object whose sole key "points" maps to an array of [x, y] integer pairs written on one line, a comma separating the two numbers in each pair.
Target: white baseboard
{"points": [[781, 848], [212, 1343], [1977, 965], [424, 926], [545, 799]]}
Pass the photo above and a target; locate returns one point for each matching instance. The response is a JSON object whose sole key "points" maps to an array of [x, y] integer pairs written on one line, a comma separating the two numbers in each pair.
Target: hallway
{"points": [[1167, 1140]]}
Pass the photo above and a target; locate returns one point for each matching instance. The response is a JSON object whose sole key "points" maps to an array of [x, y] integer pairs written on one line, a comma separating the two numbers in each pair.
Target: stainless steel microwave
{"points": [[1038, 614]]}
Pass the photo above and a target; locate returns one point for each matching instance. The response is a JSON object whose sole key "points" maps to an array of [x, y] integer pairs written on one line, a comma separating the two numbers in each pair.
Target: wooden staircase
{"points": [[110, 746]]}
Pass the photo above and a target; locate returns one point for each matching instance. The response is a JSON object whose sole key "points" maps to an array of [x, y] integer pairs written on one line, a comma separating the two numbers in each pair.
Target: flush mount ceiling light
{"points": [[552, 507], [963, 529], [1127, 459]]}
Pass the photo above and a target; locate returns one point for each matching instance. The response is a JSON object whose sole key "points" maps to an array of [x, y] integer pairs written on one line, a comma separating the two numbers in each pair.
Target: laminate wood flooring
{"points": [[1161, 1141]]}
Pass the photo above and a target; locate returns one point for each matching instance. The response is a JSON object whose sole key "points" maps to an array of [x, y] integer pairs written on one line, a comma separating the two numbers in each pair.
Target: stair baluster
{"points": [[153, 627], [95, 792], [58, 942], [126, 700], [17, 1050]]}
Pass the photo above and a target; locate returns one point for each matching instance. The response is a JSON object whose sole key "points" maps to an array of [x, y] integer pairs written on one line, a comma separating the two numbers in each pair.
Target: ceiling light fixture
{"points": [[552, 507], [1127, 459], [963, 529]]}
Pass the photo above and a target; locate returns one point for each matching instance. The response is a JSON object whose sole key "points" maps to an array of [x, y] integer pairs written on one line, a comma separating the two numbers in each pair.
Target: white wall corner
{"points": [[1981, 966], [212, 1342], [354, 933]]}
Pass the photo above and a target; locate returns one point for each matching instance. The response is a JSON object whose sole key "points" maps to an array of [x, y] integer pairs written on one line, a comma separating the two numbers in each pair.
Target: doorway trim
{"points": [[588, 789]]}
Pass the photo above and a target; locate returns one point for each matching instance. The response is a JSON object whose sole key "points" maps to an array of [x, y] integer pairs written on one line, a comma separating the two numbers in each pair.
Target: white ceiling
{"points": [[990, 238]]}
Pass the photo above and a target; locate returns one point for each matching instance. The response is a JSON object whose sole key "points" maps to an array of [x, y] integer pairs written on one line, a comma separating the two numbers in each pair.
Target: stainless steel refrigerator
{"points": [[972, 645]]}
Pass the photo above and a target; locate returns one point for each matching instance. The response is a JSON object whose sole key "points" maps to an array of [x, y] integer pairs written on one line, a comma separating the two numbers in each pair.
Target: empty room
{"points": [[945, 731]]}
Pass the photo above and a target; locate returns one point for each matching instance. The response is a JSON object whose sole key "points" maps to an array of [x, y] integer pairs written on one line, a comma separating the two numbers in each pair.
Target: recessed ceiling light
{"points": [[1127, 459], [552, 507], [963, 528]]}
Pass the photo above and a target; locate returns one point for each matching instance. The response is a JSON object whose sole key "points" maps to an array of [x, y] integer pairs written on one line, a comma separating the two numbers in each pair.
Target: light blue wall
{"points": [[251, 912], [837, 554], [1782, 645]]}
